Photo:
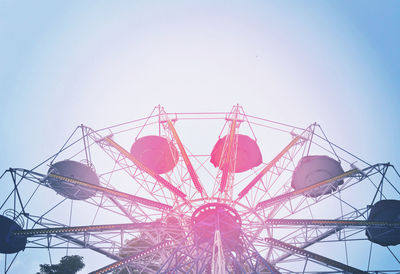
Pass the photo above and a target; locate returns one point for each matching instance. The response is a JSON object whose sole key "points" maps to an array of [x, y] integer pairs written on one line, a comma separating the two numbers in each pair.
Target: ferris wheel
{"points": [[222, 192]]}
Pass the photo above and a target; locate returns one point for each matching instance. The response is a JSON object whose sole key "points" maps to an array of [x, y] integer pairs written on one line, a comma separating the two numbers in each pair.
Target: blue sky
{"points": [[104, 62]]}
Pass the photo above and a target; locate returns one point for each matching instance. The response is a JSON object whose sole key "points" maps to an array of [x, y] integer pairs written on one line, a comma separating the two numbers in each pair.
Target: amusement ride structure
{"points": [[219, 192]]}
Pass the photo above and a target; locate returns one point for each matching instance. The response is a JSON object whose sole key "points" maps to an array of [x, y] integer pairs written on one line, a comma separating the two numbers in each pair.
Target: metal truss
{"points": [[256, 222]]}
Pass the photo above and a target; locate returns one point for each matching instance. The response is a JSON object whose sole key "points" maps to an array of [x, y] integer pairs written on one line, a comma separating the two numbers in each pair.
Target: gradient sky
{"points": [[63, 63]]}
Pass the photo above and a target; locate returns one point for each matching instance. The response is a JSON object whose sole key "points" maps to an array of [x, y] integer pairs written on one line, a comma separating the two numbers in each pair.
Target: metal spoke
{"points": [[314, 256]]}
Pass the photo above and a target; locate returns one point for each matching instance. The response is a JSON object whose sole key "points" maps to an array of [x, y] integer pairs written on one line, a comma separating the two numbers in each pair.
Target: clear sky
{"points": [[63, 63]]}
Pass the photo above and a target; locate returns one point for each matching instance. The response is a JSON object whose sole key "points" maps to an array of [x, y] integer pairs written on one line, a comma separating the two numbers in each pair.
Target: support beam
{"points": [[185, 157], [218, 260], [131, 259], [141, 166], [261, 263], [314, 256], [269, 266], [86, 245], [287, 196], [91, 228], [226, 164], [112, 192], [336, 223], [310, 242], [268, 167]]}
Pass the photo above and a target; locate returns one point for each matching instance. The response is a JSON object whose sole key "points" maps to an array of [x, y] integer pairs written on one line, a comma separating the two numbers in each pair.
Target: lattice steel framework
{"points": [[146, 222]]}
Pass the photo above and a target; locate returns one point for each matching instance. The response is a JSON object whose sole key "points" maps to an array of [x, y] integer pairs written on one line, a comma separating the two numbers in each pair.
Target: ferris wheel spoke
{"points": [[103, 239], [141, 166], [311, 255], [91, 228], [88, 240], [187, 257], [290, 195], [254, 254], [85, 244], [267, 168], [185, 157], [292, 206], [225, 153], [336, 223], [278, 164], [279, 202], [133, 258], [113, 195], [112, 192], [227, 159], [310, 242], [124, 160], [307, 235]]}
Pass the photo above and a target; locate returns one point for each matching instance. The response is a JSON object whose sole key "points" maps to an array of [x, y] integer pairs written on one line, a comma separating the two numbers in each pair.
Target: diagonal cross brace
{"points": [[314, 256]]}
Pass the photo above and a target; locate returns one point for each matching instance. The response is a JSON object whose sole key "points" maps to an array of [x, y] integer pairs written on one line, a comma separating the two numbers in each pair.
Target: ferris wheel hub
{"points": [[212, 217]]}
